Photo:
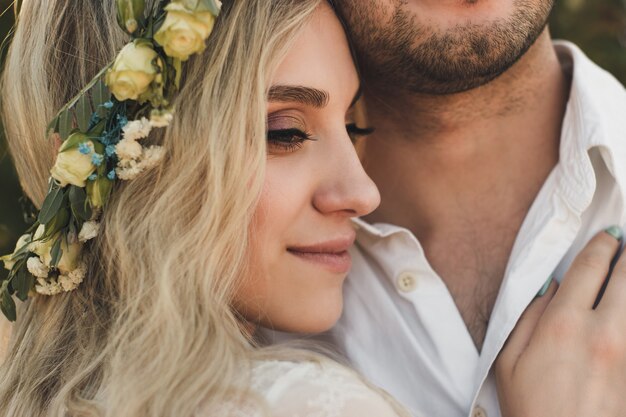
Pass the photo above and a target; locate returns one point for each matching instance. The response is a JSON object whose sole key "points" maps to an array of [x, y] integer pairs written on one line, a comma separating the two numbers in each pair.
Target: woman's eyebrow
{"points": [[299, 94]]}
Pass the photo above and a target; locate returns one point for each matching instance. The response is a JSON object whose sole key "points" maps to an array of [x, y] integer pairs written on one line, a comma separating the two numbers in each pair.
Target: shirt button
{"points": [[479, 412], [407, 282]]}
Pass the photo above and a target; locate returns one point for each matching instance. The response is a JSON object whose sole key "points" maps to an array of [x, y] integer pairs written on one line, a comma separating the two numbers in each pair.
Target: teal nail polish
{"points": [[545, 287], [615, 231]]}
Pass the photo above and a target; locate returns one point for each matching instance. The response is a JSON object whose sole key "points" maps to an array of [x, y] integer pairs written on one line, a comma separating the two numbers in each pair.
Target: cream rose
{"points": [[132, 72], [8, 261], [73, 167], [184, 31], [69, 258]]}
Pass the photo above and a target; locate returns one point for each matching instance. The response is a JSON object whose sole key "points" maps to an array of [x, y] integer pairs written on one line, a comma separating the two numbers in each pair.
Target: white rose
{"points": [[132, 72], [183, 33], [73, 167], [8, 261], [69, 258]]}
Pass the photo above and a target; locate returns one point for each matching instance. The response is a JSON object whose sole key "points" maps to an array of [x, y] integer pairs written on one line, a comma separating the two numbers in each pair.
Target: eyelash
{"points": [[356, 132], [292, 139], [288, 139]]}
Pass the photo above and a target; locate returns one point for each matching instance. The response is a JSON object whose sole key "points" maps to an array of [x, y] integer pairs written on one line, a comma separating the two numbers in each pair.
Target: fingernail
{"points": [[545, 287], [615, 231]]}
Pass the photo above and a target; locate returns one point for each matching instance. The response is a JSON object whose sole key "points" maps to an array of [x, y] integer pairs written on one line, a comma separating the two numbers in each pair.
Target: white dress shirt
{"points": [[401, 327]]}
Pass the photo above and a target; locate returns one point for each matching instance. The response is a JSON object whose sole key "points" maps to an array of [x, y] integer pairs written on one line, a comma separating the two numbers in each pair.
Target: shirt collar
{"points": [[595, 117]]}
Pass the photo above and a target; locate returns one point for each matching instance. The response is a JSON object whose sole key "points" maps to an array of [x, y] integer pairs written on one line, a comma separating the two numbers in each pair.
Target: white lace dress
{"points": [[307, 389]]}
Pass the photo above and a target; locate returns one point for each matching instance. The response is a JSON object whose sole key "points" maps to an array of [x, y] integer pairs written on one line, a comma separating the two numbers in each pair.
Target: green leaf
{"points": [[208, 6], [83, 113], [58, 222], [84, 91], [7, 304], [53, 126], [73, 141], [55, 253], [178, 68], [51, 205], [98, 191], [78, 203], [65, 124], [100, 94], [23, 282]]}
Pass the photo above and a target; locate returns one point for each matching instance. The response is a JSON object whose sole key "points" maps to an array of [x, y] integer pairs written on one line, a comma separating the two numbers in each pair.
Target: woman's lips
{"points": [[332, 255]]}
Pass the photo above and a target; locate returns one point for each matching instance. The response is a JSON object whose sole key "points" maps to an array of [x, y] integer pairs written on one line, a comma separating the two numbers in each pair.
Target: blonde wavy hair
{"points": [[151, 331]]}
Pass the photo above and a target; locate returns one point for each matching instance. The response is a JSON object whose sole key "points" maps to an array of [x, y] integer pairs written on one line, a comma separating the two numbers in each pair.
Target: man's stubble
{"points": [[403, 53]]}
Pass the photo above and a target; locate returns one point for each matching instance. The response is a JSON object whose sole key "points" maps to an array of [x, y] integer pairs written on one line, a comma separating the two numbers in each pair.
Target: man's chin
{"points": [[414, 54]]}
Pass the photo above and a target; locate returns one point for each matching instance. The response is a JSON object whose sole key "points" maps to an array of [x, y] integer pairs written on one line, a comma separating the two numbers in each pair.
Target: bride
{"points": [[245, 221]]}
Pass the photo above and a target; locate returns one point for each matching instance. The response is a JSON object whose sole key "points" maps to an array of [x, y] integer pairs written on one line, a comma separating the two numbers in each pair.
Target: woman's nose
{"points": [[345, 187]]}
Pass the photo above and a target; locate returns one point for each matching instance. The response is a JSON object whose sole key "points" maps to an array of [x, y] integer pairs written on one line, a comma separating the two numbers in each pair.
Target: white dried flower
{"points": [[128, 149], [36, 267], [72, 280], [45, 287], [152, 157], [89, 230], [137, 129], [130, 169], [161, 119]]}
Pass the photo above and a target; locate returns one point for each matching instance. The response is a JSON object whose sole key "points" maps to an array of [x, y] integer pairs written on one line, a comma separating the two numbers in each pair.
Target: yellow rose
{"points": [[73, 167], [132, 72], [8, 259], [69, 258], [184, 31]]}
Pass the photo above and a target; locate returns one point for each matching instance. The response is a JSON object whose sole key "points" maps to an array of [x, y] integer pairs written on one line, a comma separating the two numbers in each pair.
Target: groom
{"points": [[498, 154]]}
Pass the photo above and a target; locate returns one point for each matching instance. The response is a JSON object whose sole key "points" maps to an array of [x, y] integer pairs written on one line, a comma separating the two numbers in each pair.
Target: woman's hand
{"points": [[564, 358]]}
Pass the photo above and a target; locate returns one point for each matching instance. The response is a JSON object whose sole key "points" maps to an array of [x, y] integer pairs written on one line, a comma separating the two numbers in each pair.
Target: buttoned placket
{"points": [[575, 185]]}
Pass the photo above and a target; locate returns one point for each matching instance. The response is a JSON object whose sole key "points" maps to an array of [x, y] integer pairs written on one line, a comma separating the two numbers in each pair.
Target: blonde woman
{"points": [[245, 223]]}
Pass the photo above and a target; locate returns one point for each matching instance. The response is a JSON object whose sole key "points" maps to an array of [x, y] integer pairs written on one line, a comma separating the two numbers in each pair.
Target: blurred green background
{"points": [[597, 26]]}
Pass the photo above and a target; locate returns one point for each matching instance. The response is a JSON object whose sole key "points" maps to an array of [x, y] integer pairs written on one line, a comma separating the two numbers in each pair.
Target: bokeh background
{"points": [[597, 26]]}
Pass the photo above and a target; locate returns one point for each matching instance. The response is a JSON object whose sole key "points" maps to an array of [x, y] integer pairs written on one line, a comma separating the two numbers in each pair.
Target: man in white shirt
{"points": [[498, 154]]}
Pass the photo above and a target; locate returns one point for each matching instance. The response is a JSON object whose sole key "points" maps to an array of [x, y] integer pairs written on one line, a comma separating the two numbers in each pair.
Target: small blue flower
{"points": [[97, 159], [93, 177], [111, 175], [123, 120], [93, 120], [107, 105], [110, 150], [84, 148]]}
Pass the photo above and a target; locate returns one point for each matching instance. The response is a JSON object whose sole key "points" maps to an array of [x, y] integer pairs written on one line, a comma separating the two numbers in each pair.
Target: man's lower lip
{"points": [[339, 262]]}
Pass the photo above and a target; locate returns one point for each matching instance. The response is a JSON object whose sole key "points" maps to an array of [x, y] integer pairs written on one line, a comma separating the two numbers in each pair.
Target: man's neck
{"points": [[461, 171]]}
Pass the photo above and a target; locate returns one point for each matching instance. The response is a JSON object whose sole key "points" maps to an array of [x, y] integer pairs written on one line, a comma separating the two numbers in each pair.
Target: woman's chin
{"points": [[313, 318]]}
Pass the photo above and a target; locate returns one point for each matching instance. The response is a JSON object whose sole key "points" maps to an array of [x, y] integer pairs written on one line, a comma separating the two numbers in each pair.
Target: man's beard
{"points": [[403, 54]]}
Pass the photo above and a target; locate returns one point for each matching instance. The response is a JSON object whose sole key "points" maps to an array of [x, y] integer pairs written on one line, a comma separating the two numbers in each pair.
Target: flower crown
{"points": [[99, 134]]}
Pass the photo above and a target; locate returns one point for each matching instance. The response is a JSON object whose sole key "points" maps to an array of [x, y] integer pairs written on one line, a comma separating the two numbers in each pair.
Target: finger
{"points": [[582, 282], [524, 329], [615, 291]]}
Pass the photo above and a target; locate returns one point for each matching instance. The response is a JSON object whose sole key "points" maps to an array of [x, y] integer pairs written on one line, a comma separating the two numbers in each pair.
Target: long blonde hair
{"points": [[150, 332]]}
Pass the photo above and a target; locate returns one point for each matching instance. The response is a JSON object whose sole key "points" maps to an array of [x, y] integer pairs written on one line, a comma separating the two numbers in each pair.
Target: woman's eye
{"points": [[287, 140], [356, 132]]}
